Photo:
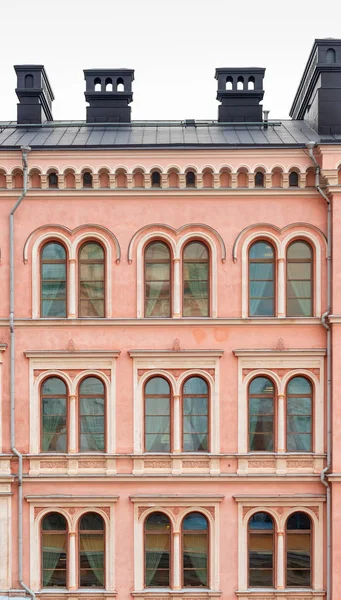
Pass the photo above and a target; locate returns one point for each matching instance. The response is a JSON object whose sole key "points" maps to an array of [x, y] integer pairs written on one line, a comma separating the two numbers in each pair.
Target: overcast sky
{"points": [[173, 45]]}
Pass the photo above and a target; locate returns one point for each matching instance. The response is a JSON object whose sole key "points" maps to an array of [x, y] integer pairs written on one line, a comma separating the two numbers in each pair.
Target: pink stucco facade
{"points": [[228, 481]]}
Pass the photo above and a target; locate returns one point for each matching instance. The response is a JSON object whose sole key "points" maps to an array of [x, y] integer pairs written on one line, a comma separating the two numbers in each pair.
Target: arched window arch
{"points": [[53, 280], [299, 415], [54, 415], [195, 272], [195, 411], [53, 180], [251, 83], [91, 415], [299, 279], [54, 546], [240, 83], [195, 550], [91, 280], [259, 179], [191, 180], [157, 262], [330, 56], [229, 83], [261, 279], [91, 551], [29, 81], [293, 179], [108, 84], [120, 85], [157, 543], [97, 84], [157, 397], [87, 179], [156, 179], [261, 550], [261, 415], [298, 550]]}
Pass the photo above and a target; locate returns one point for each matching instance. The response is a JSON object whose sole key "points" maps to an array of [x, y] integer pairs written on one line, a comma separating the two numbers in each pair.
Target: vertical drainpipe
{"points": [[324, 473], [24, 151]]}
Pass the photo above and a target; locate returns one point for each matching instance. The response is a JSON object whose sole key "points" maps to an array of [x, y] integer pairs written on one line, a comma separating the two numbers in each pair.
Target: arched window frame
{"points": [[52, 240], [266, 240], [67, 534], [312, 414], [103, 531], [53, 182], [171, 410], [185, 245], [274, 534], [171, 544], [208, 570], [191, 178], [87, 179], [274, 414], [86, 241], [311, 262], [159, 240], [67, 424], [311, 549], [208, 414], [105, 412]]}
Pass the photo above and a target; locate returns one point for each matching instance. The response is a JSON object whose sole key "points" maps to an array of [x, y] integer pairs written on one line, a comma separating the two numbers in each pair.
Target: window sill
{"points": [[168, 594], [286, 594], [65, 593]]}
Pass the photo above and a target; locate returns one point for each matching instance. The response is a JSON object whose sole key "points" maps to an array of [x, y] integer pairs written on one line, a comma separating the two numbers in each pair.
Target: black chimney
{"points": [[318, 98], [109, 94], [34, 93], [240, 92]]}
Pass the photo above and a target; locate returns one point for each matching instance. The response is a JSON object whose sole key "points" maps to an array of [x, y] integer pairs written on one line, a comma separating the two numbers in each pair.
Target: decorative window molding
{"points": [[281, 365], [71, 367], [72, 508], [176, 507], [72, 240], [280, 507], [176, 367]]}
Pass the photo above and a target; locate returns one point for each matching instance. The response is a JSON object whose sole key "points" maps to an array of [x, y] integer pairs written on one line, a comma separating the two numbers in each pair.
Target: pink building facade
{"points": [[170, 425]]}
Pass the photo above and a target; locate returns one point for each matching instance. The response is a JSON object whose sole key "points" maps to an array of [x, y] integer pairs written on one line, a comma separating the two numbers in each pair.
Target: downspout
{"points": [[324, 320], [24, 151]]}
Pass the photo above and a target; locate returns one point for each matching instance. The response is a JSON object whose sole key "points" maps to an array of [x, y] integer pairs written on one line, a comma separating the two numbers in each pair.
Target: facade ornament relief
{"points": [[91, 464], [266, 464], [176, 345], [280, 345], [141, 510], [195, 464], [157, 464], [37, 510], [71, 346], [53, 464], [211, 510]]}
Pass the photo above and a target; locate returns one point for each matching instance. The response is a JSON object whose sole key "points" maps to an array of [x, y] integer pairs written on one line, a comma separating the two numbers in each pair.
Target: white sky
{"points": [[173, 45]]}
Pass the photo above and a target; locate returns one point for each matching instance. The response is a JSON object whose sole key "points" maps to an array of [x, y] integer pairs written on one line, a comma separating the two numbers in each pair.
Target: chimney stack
{"points": [[318, 98], [34, 93], [109, 93], [240, 92]]}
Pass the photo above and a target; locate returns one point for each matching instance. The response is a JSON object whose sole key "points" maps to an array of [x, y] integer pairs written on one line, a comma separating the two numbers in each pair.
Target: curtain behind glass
{"points": [[91, 550], [261, 280], [261, 415], [54, 411], [195, 415], [157, 415], [91, 413], [53, 280], [91, 280], [157, 280], [195, 280], [157, 550], [195, 550], [299, 415], [299, 280], [54, 550]]}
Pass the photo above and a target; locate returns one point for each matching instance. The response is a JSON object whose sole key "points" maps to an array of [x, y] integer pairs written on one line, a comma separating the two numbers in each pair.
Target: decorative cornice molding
{"points": [[74, 354], [282, 353], [179, 499], [67, 500], [183, 322], [171, 353]]}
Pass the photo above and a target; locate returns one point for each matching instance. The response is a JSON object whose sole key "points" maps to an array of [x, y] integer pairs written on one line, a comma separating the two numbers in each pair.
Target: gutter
{"points": [[325, 323], [24, 151]]}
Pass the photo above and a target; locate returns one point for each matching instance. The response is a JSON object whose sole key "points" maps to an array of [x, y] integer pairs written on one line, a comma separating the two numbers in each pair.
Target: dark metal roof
{"points": [[160, 134]]}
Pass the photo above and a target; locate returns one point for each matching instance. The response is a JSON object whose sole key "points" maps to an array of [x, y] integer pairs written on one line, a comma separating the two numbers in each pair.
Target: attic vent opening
{"points": [[229, 83], [120, 85], [251, 83], [108, 85], [97, 84], [240, 83]]}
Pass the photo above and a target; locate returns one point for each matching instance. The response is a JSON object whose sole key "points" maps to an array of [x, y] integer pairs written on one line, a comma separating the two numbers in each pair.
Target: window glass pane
{"points": [[298, 520], [261, 271], [53, 289], [157, 280], [92, 385], [195, 280], [261, 307], [261, 415], [299, 442], [194, 521], [299, 424], [261, 250], [261, 520], [92, 272], [92, 251], [157, 550], [195, 550], [91, 521], [157, 250], [157, 419], [92, 290], [299, 250], [195, 415], [261, 385], [54, 521], [54, 559], [91, 554], [157, 385], [53, 251], [195, 307], [53, 385], [299, 385], [157, 442], [157, 521], [197, 406], [54, 271], [196, 250], [298, 550], [299, 308], [195, 385], [91, 412]]}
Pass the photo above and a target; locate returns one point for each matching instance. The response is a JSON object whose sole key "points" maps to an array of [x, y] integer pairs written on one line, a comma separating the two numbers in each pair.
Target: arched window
{"points": [[190, 179], [120, 85], [229, 83], [330, 56], [53, 180], [29, 81], [261, 550], [299, 280], [54, 415], [299, 415], [157, 550], [91, 280], [293, 179], [91, 415], [195, 272], [251, 83], [240, 83], [91, 551], [54, 551], [156, 179], [87, 180], [259, 179], [195, 415], [157, 415], [108, 85], [53, 280], [261, 279], [261, 415], [97, 84], [195, 550], [157, 280], [298, 547]]}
